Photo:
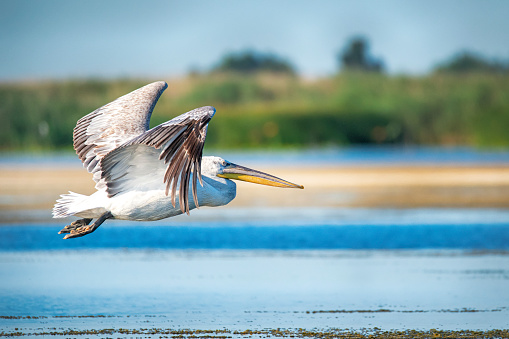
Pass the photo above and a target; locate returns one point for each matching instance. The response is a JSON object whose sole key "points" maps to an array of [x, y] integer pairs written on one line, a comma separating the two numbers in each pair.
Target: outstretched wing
{"points": [[112, 125], [177, 145]]}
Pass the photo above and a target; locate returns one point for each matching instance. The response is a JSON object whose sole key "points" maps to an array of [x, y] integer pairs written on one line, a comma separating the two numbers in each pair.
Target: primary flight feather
{"points": [[146, 174]]}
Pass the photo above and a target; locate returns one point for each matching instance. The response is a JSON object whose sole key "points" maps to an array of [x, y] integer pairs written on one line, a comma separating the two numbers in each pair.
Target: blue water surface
{"points": [[273, 237], [337, 156]]}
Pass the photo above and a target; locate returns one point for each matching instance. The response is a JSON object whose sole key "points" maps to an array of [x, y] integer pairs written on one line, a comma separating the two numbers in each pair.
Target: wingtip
{"points": [[161, 85], [208, 110], [157, 86]]}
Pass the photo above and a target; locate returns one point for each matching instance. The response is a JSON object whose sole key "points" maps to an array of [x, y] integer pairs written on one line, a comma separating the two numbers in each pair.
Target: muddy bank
{"points": [[23, 191]]}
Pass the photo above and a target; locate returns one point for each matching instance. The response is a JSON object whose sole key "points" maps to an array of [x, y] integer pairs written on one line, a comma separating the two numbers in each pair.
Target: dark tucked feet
{"points": [[74, 225], [80, 227], [81, 231]]}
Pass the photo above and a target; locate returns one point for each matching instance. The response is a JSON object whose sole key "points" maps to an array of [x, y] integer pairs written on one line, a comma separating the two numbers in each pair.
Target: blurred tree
{"points": [[252, 61], [467, 62], [355, 57]]}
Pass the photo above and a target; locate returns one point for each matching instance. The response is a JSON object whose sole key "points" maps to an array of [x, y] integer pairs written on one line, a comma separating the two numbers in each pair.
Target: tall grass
{"points": [[268, 110]]}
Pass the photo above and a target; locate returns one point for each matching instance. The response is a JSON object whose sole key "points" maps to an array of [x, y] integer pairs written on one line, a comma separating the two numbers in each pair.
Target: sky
{"points": [[57, 39]]}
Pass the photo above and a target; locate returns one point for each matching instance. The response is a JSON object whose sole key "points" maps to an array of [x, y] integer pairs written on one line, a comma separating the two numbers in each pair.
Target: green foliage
{"points": [[233, 90], [251, 62], [268, 110], [469, 62], [43, 115], [355, 57], [285, 129]]}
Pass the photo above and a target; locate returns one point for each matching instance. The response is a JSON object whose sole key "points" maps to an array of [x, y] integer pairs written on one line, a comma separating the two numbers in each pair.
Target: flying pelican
{"points": [[145, 174]]}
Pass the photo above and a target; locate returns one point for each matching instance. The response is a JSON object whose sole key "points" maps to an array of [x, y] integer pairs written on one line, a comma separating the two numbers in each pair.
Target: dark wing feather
{"points": [[180, 142], [113, 124]]}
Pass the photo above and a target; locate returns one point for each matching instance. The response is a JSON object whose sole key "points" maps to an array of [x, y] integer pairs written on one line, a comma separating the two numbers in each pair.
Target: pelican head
{"points": [[216, 166]]}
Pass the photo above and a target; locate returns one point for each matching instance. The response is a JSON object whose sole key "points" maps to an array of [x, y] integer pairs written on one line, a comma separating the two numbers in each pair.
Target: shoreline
{"points": [[24, 189]]}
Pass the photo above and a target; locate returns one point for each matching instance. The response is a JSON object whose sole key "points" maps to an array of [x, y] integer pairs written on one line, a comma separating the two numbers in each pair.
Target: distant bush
{"points": [[467, 62], [252, 61], [355, 57]]}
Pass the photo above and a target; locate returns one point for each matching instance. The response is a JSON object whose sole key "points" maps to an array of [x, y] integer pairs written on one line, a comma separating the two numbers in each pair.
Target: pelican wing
{"points": [[170, 153], [113, 124]]}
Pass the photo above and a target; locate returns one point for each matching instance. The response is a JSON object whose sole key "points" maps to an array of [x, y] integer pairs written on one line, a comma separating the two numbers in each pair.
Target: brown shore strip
{"points": [[395, 187]]}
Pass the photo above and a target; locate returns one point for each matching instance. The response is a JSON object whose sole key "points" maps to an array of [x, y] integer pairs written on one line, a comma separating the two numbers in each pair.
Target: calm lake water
{"points": [[263, 268], [320, 229], [389, 269], [350, 156]]}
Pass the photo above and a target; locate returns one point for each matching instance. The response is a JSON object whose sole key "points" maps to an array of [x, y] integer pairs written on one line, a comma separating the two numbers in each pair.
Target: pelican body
{"points": [[144, 174]]}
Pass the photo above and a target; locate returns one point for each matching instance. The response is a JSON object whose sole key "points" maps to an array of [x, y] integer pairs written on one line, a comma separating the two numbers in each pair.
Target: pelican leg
{"points": [[84, 230], [74, 225]]}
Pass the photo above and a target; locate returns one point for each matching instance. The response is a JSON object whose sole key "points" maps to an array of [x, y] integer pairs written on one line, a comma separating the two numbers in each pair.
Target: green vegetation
{"points": [[468, 62], [355, 57], [252, 61], [263, 110]]}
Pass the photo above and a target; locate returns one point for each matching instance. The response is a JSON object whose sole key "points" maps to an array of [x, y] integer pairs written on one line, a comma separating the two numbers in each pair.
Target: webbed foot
{"points": [[81, 231], [74, 225], [80, 227]]}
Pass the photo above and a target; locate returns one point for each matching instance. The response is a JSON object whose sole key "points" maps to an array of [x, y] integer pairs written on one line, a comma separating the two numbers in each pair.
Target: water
{"points": [[350, 156], [250, 236], [372, 155], [241, 290], [266, 268], [389, 269], [258, 228]]}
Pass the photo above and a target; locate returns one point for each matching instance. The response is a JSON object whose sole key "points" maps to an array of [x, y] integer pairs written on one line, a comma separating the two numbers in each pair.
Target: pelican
{"points": [[146, 174]]}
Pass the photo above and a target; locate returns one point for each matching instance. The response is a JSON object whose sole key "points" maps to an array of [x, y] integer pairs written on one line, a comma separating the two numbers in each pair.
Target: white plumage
{"points": [[146, 174]]}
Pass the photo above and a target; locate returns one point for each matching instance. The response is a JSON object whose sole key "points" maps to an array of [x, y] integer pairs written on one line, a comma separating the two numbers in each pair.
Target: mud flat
{"points": [[27, 195]]}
